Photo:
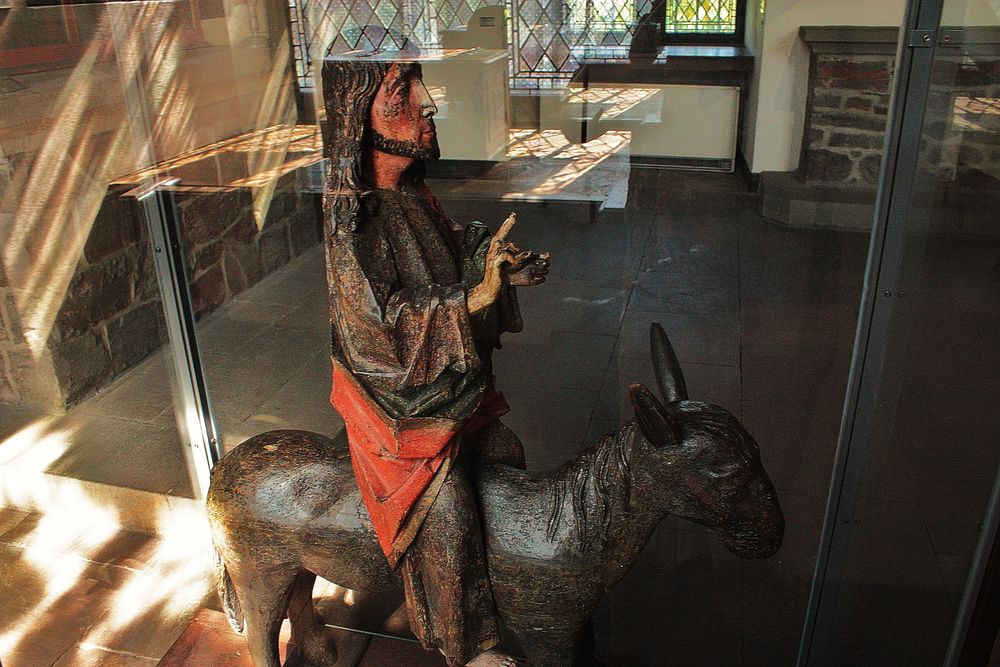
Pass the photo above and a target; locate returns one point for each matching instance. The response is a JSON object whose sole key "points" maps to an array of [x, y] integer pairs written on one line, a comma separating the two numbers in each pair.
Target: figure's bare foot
{"points": [[492, 658]]}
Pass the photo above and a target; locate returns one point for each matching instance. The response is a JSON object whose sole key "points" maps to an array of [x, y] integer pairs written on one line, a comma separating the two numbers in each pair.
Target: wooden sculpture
{"points": [[417, 305], [284, 508]]}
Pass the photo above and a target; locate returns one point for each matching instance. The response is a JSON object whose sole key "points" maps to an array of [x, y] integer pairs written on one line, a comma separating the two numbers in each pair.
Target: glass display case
{"points": [[807, 207]]}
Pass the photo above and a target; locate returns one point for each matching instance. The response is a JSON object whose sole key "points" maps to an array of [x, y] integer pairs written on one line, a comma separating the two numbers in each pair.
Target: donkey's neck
{"points": [[612, 517]]}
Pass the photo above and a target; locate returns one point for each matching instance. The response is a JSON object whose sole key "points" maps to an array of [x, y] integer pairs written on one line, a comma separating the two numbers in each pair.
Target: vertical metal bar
{"points": [[191, 399], [194, 409], [892, 208], [974, 580]]}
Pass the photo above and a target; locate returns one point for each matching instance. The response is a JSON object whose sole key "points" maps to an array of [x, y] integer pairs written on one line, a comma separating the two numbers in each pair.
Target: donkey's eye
{"points": [[723, 470]]}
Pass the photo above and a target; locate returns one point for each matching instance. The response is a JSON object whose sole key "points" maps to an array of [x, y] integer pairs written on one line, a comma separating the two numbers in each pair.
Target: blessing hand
{"points": [[531, 271]]}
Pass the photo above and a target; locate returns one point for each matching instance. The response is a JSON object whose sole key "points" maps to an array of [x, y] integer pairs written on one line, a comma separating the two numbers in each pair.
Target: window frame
{"points": [[729, 39]]}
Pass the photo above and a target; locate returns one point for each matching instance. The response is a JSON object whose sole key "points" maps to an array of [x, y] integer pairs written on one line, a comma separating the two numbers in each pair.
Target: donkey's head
{"points": [[705, 463]]}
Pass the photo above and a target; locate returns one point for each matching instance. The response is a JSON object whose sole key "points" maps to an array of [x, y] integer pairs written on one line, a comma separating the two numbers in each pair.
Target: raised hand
{"points": [[532, 271], [506, 264], [499, 254]]}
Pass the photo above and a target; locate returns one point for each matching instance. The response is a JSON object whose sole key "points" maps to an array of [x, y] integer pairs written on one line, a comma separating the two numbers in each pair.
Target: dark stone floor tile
{"points": [[708, 338], [909, 626], [598, 428], [705, 382], [690, 258], [546, 455], [819, 331], [680, 543], [840, 249], [545, 433], [682, 220], [571, 307], [774, 602], [762, 651], [777, 279], [787, 386], [553, 359], [681, 616], [653, 294]]}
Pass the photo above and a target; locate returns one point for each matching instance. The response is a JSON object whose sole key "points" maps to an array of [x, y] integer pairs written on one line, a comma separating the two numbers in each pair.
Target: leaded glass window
{"points": [[703, 20], [548, 38]]}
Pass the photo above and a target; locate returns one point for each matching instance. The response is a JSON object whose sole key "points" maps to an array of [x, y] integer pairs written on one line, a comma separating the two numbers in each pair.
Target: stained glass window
{"points": [[701, 16], [548, 38]]}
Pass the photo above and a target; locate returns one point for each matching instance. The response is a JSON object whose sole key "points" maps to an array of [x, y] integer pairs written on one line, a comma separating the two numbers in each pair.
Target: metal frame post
{"points": [[194, 409], [914, 62]]}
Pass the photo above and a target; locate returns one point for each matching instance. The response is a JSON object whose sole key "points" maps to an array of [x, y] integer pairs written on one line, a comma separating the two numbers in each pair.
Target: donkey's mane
{"points": [[598, 480]]}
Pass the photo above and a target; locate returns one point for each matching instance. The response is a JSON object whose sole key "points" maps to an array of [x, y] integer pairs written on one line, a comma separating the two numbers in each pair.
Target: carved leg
{"points": [[449, 601], [264, 597], [309, 633], [553, 648]]}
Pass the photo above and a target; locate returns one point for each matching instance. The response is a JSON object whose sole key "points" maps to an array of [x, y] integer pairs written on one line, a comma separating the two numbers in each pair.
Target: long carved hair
{"points": [[349, 88]]}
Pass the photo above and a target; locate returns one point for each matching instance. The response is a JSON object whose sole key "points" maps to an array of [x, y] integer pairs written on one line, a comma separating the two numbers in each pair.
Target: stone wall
{"points": [[112, 315], [850, 82], [78, 297], [963, 122], [846, 121], [228, 251]]}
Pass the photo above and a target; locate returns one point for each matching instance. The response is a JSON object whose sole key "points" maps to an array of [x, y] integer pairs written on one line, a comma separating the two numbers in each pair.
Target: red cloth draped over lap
{"points": [[399, 463]]}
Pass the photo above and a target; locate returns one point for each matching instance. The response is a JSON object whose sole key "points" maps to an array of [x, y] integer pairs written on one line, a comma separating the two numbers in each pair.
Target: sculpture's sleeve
{"points": [[402, 338]]}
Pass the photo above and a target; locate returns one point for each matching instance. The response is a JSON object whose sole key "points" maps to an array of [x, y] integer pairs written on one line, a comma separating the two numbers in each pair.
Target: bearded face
{"points": [[402, 115]]}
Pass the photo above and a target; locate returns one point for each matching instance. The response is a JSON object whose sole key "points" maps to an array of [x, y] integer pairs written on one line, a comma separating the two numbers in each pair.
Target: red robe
{"points": [[412, 371], [399, 463]]}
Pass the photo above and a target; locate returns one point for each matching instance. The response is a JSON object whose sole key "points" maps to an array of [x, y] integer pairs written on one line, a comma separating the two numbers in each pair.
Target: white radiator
{"points": [[690, 126]]}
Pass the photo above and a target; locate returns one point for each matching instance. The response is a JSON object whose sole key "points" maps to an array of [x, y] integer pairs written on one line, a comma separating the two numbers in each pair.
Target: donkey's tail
{"points": [[227, 594]]}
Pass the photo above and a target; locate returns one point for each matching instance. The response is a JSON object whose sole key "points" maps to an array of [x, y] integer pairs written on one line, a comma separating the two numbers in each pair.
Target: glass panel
{"points": [[94, 483], [931, 458], [623, 170], [81, 323], [619, 159]]}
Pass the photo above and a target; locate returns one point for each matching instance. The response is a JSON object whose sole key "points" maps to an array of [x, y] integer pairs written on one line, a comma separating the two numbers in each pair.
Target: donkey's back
{"points": [[288, 499]]}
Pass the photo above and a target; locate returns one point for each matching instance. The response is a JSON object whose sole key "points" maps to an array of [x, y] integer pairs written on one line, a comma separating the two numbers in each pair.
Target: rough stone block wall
{"points": [[15, 356], [846, 119], [963, 122], [111, 317], [227, 252]]}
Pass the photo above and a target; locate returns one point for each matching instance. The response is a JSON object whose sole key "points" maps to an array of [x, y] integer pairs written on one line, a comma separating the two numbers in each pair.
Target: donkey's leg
{"points": [[264, 597], [554, 647], [309, 633]]}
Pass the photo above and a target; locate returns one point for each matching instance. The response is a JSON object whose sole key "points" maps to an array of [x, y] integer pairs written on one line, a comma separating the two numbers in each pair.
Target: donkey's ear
{"points": [[656, 423], [669, 376]]}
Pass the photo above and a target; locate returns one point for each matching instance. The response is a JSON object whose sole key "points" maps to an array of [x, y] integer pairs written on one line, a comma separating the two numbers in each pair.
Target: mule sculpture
{"points": [[284, 508]]}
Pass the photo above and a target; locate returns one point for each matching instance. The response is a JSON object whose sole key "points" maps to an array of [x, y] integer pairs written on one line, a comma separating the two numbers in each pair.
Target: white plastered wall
{"points": [[776, 106], [777, 103]]}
